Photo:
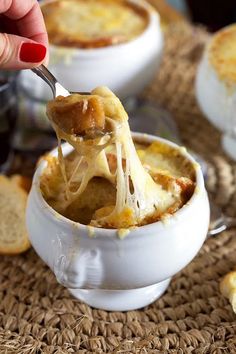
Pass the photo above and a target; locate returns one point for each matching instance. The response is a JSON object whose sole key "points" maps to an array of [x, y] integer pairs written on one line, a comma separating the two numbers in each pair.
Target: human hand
{"points": [[23, 36]]}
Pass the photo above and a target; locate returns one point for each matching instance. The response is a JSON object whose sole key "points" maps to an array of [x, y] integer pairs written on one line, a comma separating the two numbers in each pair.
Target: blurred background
{"points": [[180, 5], [214, 14]]}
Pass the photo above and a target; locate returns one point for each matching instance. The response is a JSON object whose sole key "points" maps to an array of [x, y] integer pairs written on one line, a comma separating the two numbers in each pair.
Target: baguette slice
{"points": [[13, 234], [228, 288]]}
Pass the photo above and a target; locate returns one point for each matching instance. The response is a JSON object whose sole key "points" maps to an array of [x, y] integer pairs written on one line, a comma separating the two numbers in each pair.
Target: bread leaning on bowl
{"points": [[13, 234]]}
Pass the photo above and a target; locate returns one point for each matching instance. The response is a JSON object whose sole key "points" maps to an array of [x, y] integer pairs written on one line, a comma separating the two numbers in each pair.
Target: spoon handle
{"points": [[230, 221], [47, 76]]}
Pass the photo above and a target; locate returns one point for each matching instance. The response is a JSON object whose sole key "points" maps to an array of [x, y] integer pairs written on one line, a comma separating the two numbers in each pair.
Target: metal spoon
{"points": [[49, 78], [218, 221]]}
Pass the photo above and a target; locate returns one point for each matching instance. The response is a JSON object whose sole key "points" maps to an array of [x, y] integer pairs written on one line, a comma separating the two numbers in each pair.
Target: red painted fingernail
{"points": [[32, 52]]}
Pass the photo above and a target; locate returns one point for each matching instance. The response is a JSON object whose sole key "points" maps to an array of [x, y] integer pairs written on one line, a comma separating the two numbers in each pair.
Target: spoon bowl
{"points": [[49, 78]]}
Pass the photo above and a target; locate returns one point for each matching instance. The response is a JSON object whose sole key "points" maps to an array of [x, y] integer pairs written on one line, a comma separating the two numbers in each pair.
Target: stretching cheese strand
{"points": [[138, 196]]}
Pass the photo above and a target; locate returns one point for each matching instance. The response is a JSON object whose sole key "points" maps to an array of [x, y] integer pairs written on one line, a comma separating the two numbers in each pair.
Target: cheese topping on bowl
{"points": [[93, 23], [222, 54], [108, 181]]}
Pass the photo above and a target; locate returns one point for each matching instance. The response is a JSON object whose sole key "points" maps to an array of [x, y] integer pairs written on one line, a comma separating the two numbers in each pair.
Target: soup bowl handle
{"points": [[74, 264], [76, 267]]}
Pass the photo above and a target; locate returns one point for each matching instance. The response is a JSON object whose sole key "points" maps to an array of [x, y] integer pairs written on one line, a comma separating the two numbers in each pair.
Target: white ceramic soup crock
{"points": [[216, 98], [105, 271], [125, 68]]}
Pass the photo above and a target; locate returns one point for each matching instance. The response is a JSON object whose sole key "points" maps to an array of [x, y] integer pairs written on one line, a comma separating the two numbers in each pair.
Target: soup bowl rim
{"points": [[64, 222]]}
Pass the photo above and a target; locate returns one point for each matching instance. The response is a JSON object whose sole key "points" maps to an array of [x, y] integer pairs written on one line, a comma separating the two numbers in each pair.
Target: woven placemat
{"points": [[37, 315]]}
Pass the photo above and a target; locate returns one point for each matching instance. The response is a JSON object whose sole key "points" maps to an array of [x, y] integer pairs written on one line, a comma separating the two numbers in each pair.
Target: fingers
{"points": [[32, 26], [20, 53], [28, 23]]}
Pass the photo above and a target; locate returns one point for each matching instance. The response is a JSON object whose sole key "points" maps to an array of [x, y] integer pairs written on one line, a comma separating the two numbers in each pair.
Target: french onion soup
{"points": [[93, 23], [108, 180]]}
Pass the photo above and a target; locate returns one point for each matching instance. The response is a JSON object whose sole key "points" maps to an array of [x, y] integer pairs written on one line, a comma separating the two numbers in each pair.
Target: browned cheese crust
{"points": [[93, 23]]}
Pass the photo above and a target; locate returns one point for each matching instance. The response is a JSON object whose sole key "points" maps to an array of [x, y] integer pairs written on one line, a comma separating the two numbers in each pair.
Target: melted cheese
{"points": [[93, 23], [138, 196]]}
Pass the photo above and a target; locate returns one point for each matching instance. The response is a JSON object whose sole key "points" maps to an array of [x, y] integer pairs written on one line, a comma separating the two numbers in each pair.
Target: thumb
{"points": [[20, 53]]}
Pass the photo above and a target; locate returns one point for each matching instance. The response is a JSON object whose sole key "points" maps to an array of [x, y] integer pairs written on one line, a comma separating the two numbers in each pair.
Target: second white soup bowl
{"points": [[216, 95], [105, 271], [125, 68]]}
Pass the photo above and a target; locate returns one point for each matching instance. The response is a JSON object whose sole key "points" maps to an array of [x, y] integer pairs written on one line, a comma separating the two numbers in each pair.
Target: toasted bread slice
{"points": [[228, 288], [13, 235]]}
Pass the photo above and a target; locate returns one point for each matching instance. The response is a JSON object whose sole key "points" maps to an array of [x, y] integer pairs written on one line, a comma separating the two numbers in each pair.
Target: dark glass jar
{"points": [[8, 116], [215, 14]]}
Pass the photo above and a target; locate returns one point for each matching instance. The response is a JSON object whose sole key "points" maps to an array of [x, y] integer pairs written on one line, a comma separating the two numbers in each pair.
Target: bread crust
{"points": [[9, 187]]}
